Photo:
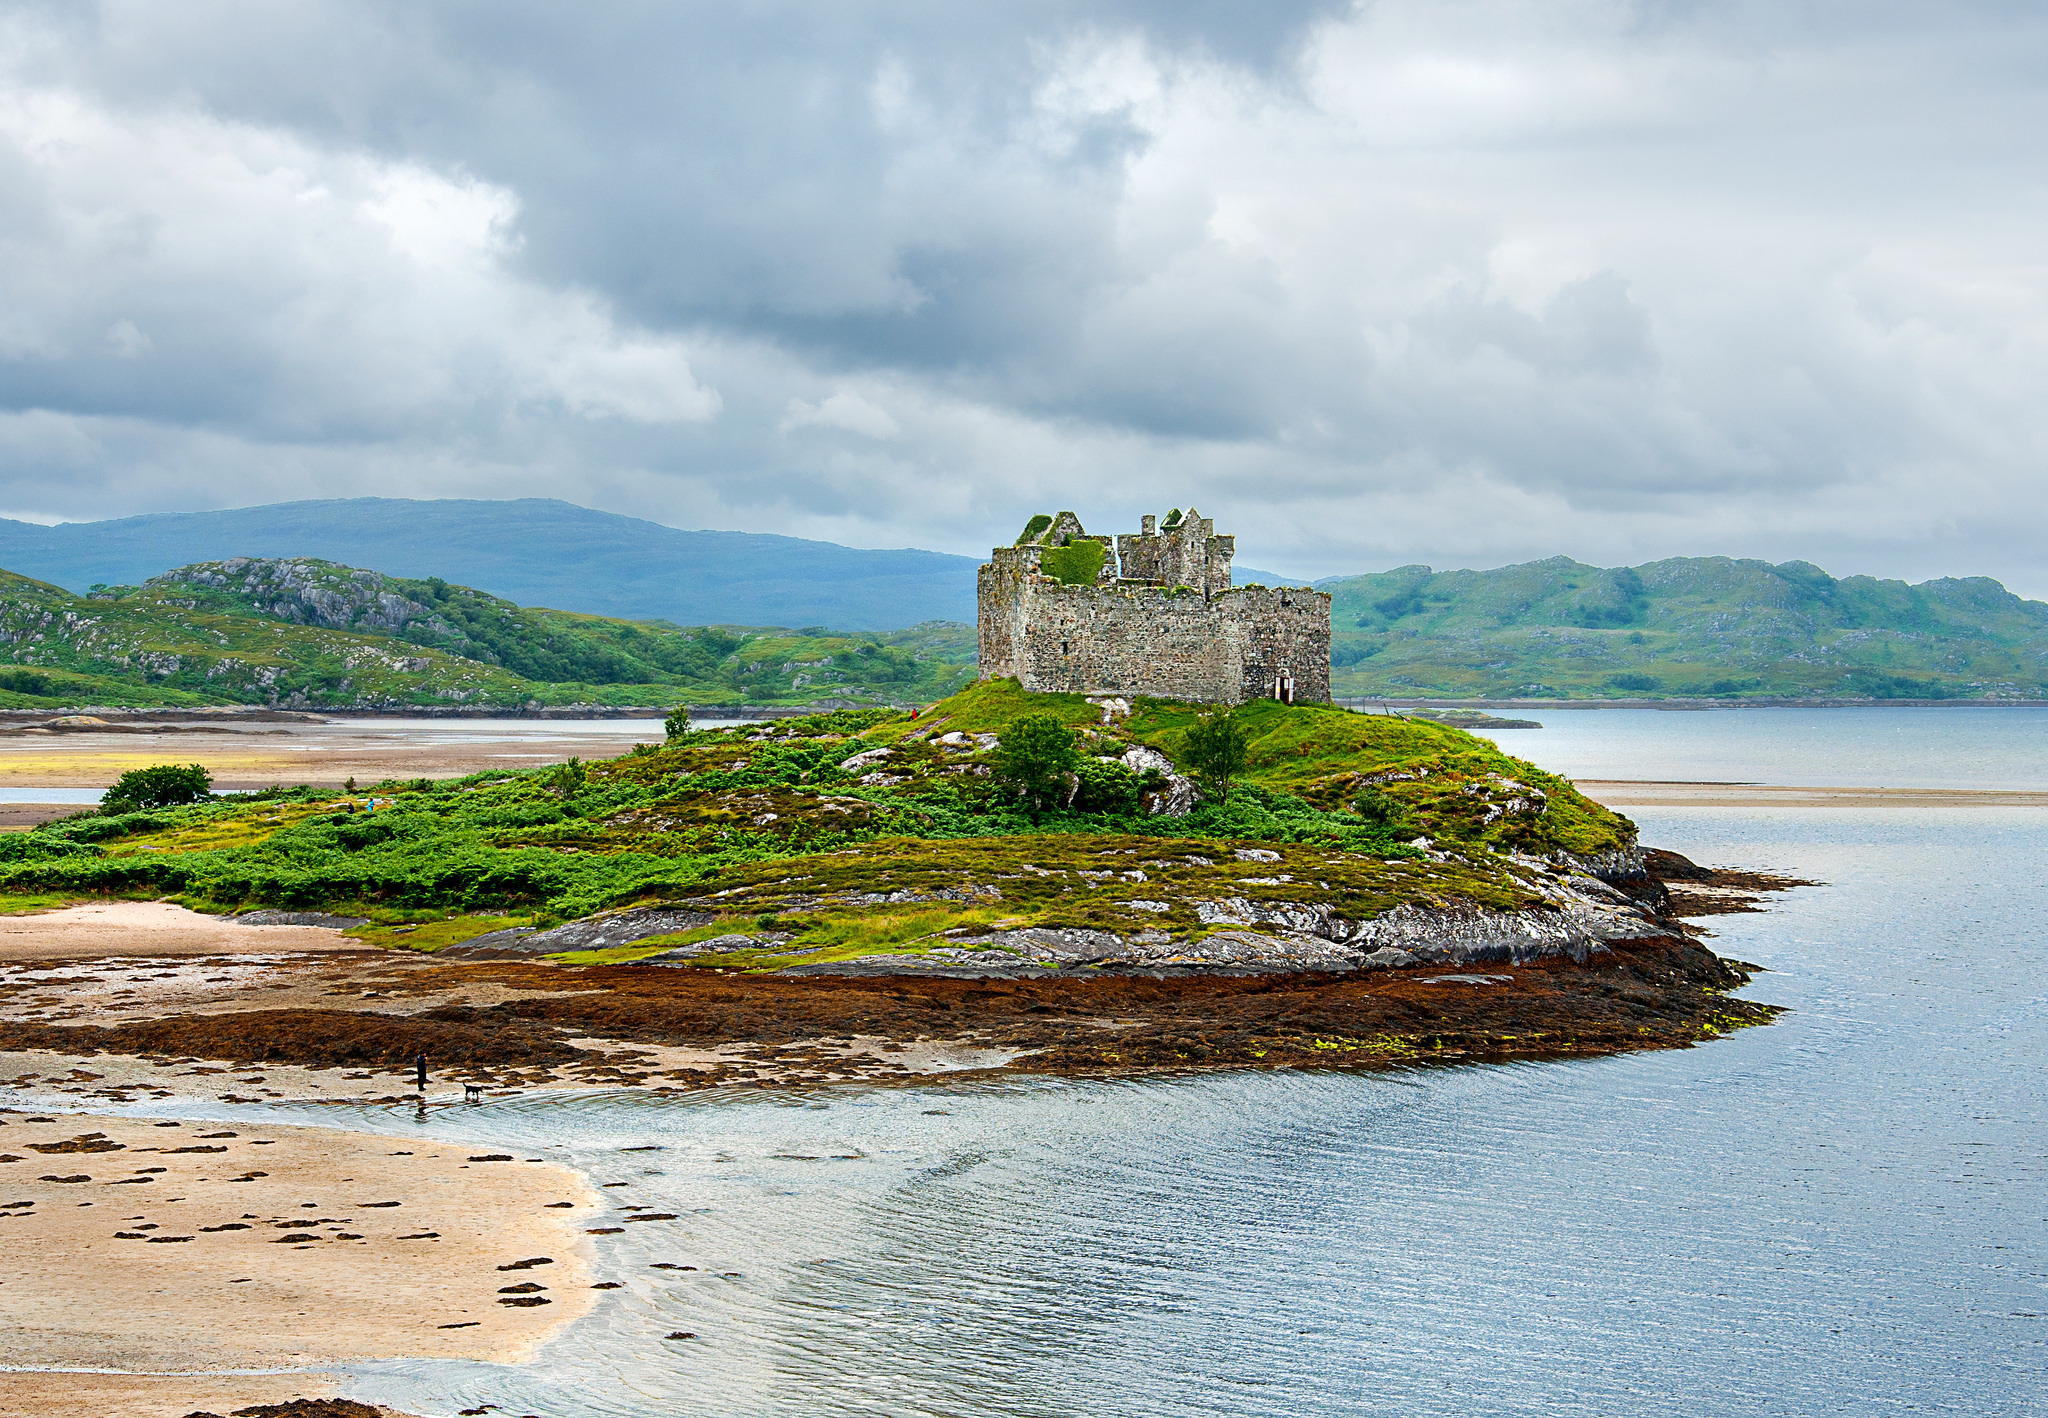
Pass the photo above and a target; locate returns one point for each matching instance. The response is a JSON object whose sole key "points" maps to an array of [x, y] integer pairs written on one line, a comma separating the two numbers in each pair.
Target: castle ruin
{"points": [[1155, 613]]}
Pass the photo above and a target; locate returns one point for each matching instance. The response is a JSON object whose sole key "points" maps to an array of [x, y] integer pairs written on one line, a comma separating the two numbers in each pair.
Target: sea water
{"points": [[1845, 1212], [1946, 746]]}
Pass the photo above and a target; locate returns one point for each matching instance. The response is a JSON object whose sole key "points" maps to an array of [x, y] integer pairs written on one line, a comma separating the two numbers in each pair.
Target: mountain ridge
{"points": [[1683, 627], [532, 551], [305, 633]]}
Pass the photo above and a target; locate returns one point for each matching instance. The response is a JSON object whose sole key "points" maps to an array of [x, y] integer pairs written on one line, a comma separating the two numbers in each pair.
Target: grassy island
{"points": [[830, 857]]}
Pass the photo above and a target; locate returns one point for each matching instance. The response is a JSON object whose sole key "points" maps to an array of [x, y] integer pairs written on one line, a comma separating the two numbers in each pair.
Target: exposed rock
{"points": [[593, 933], [299, 918], [1177, 799], [1290, 936], [716, 945]]}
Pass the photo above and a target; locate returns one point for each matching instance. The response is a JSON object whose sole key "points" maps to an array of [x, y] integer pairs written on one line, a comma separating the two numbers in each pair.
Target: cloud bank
{"points": [[1419, 280]]}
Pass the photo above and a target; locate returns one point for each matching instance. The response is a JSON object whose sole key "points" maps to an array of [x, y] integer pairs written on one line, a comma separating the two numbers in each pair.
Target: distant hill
{"points": [[1691, 626], [535, 551], [302, 632]]}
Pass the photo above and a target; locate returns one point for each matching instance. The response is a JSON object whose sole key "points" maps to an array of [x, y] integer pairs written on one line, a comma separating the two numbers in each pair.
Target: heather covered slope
{"points": [[316, 634], [1689, 626]]}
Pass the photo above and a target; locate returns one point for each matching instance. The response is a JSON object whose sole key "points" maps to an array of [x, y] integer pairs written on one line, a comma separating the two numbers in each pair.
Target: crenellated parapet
{"points": [[1063, 612]]}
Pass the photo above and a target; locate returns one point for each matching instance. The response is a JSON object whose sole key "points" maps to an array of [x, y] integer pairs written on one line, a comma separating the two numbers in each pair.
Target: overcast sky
{"points": [[1456, 283]]}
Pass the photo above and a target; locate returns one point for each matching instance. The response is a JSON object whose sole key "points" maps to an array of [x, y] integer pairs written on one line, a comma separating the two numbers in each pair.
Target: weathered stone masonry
{"points": [[1160, 617]]}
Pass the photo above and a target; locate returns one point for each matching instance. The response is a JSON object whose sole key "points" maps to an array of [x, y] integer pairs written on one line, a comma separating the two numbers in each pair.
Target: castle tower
{"points": [[1186, 552], [1063, 612]]}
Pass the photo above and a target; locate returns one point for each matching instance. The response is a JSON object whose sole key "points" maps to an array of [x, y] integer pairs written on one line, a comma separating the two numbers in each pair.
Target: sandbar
{"points": [[186, 1249], [325, 754], [147, 928]]}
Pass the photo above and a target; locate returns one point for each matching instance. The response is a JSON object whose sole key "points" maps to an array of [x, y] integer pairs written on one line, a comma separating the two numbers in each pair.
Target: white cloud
{"points": [[287, 291]]}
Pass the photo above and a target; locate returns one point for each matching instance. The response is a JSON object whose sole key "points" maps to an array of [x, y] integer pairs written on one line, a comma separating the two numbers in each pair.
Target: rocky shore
{"points": [[1603, 970]]}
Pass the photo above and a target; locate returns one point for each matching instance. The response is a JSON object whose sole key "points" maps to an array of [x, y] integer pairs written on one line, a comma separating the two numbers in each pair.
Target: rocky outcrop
{"points": [[592, 933], [1177, 798], [1580, 918]]}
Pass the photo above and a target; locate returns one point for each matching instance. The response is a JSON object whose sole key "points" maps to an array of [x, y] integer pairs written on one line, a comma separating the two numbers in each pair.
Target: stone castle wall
{"points": [[1127, 636]]}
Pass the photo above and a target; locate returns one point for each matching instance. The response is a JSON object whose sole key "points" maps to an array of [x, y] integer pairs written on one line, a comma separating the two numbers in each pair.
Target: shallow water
{"points": [[52, 795], [1845, 1212], [1936, 747]]}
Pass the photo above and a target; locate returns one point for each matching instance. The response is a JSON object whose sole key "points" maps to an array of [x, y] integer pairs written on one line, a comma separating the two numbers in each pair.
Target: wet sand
{"points": [[149, 928], [177, 1249], [49, 1395], [324, 754], [1616, 793]]}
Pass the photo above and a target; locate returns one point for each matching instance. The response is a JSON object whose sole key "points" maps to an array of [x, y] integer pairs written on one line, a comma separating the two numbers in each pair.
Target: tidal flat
{"points": [[972, 1209]]}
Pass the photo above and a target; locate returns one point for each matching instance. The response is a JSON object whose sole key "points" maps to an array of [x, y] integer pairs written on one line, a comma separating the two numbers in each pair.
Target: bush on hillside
{"points": [[1107, 786], [1216, 752], [165, 785]]}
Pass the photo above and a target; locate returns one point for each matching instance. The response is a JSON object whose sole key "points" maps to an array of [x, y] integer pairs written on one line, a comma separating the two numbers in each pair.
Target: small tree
{"points": [[1215, 752], [165, 785], [1034, 755], [677, 724]]}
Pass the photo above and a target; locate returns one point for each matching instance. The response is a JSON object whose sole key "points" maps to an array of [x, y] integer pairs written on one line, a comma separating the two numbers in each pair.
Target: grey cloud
{"points": [[1411, 281]]}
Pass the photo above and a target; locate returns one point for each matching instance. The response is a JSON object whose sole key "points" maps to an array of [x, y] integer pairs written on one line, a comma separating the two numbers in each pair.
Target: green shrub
{"points": [[1107, 786], [24, 681], [1034, 754], [1379, 810], [165, 785]]}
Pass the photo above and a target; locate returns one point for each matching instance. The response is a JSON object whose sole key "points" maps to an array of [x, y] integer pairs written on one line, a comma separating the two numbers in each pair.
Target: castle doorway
{"points": [[1283, 686]]}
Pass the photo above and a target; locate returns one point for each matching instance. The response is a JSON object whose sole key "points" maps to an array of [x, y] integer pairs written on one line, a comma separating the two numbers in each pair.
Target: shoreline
{"points": [[266, 1246], [347, 1023]]}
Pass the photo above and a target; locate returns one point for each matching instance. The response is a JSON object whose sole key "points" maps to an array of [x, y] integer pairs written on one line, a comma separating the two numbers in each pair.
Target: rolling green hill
{"points": [[316, 634], [1709, 627]]}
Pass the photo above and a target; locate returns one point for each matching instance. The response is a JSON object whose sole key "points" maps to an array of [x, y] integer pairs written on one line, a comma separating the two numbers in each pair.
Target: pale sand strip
{"points": [[1625, 793], [136, 928], [372, 1281], [47, 1395], [367, 750]]}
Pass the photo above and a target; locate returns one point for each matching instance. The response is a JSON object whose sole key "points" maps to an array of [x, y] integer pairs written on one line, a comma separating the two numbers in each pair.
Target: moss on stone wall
{"points": [[1077, 563]]}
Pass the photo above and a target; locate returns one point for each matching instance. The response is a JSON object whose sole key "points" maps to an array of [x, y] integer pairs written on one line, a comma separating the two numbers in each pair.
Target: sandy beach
{"points": [[150, 928], [173, 1249], [322, 753]]}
